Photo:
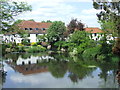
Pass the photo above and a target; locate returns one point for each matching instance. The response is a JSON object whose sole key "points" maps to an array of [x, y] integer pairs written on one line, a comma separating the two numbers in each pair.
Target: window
{"points": [[37, 28], [95, 34], [36, 35], [43, 28], [26, 28], [31, 29]]}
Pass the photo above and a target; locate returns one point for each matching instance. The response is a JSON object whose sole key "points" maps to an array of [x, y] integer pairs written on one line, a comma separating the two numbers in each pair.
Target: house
{"points": [[97, 34], [30, 65], [33, 28], [37, 28]]}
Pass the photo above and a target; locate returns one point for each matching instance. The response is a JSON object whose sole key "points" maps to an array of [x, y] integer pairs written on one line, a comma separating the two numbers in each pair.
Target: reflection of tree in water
{"points": [[78, 72], [74, 78], [108, 70], [2, 74], [58, 68], [105, 68], [25, 55], [13, 56]]}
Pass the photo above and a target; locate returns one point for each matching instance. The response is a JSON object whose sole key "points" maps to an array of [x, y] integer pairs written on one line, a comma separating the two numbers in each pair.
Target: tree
{"points": [[79, 37], [48, 21], [74, 24], [110, 12], [14, 28], [55, 31], [42, 38], [10, 9]]}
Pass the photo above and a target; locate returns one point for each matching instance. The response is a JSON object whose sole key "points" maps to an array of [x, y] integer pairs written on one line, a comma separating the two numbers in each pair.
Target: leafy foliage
{"points": [[48, 21], [10, 9], [42, 38], [74, 24], [34, 49], [55, 31], [109, 18], [79, 37]]}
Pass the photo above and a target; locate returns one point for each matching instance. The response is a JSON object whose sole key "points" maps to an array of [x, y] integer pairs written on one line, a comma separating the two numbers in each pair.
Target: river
{"points": [[43, 70]]}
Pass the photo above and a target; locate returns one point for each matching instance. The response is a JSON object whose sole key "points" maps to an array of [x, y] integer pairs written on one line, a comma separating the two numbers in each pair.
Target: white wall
{"points": [[33, 59], [32, 38]]}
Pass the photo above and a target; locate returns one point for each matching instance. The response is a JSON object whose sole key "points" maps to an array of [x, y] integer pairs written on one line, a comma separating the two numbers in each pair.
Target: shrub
{"points": [[101, 57], [34, 49], [91, 53], [115, 59], [20, 44], [8, 45], [26, 42], [21, 49], [34, 44]]}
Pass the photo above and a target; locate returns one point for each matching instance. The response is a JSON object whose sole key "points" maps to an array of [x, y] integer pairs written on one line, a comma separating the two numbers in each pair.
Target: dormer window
{"points": [[26, 28], [37, 29], [31, 29], [43, 28]]}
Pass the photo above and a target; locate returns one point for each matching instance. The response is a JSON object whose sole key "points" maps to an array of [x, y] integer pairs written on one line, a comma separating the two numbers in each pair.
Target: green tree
{"points": [[48, 21], [79, 37], [110, 14], [42, 38], [10, 9], [55, 31]]}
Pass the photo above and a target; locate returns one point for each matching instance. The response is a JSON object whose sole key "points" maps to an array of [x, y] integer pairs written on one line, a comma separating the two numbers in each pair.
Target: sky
{"points": [[62, 10]]}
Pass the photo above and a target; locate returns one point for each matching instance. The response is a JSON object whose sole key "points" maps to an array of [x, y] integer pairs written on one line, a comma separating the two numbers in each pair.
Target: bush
{"points": [[34, 44], [91, 53], [21, 49], [26, 42], [20, 44], [34, 49], [115, 59], [8, 45], [101, 57]]}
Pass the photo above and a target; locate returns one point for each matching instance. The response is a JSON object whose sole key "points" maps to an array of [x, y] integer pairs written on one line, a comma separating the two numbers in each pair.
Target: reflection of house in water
{"points": [[33, 60], [30, 66]]}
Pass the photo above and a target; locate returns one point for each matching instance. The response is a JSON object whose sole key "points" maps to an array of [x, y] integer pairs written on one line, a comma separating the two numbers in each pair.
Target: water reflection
{"points": [[61, 69]]}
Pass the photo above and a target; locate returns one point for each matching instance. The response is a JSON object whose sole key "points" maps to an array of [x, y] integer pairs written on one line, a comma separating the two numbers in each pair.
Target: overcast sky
{"points": [[62, 10]]}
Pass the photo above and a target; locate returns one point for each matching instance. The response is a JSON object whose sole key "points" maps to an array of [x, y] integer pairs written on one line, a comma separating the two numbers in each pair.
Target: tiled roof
{"points": [[93, 30], [33, 24]]}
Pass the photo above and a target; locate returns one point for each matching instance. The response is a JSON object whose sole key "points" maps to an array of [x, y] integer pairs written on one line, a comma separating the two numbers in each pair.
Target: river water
{"points": [[43, 70]]}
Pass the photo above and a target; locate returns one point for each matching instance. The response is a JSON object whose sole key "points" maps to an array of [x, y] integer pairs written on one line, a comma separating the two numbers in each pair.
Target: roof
{"points": [[93, 30], [33, 24], [28, 69]]}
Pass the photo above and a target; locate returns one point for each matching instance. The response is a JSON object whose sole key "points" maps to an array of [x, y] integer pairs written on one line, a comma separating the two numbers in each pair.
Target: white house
{"points": [[37, 28], [97, 34], [33, 28]]}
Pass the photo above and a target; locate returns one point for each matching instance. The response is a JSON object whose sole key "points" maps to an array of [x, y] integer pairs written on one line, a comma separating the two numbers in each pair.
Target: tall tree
{"points": [[110, 12], [10, 9], [75, 24], [55, 31]]}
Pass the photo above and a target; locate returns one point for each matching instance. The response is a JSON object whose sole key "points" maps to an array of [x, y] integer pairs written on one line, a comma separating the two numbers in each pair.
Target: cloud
{"points": [[90, 11], [55, 0], [62, 10]]}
